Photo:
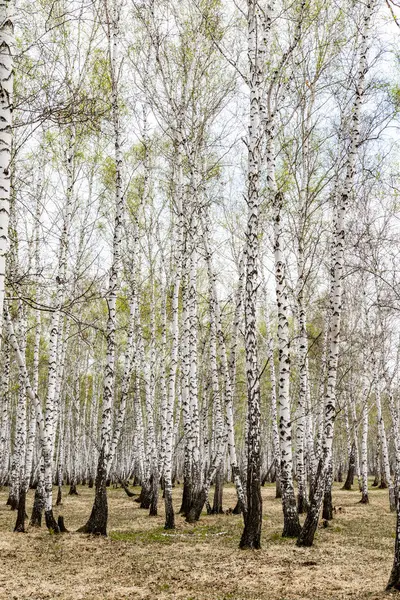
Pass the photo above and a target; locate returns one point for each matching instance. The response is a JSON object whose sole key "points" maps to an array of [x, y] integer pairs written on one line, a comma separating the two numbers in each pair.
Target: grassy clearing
{"points": [[139, 560]]}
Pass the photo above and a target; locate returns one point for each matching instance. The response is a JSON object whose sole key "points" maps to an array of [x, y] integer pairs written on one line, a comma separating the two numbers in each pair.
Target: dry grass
{"points": [[350, 559]]}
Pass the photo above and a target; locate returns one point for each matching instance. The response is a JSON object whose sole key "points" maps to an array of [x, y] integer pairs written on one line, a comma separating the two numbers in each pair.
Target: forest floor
{"points": [[352, 558]]}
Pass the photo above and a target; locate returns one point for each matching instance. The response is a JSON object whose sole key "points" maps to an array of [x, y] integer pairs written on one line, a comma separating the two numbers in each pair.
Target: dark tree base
{"points": [[61, 525], [306, 537], [327, 510], [278, 488], [238, 509], [73, 490], [364, 499], [291, 529], [153, 496], [218, 493], [251, 536], [20, 523], [126, 489], [169, 511], [186, 497], [348, 484], [220, 511], [307, 533], [198, 502], [91, 482], [97, 523], [394, 581], [59, 496], [12, 502], [302, 505], [51, 523], [37, 510], [291, 523], [145, 497]]}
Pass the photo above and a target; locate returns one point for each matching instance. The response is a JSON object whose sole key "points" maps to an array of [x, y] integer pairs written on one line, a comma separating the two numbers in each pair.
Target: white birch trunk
{"points": [[337, 271], [7, 43]]}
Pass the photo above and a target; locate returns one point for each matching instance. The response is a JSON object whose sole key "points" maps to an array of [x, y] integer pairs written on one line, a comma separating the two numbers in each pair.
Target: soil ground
{"points": [[352, 558]]}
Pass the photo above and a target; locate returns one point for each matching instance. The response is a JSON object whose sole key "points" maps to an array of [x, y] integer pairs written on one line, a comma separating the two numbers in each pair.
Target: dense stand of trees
{"points": [[199, 255]]}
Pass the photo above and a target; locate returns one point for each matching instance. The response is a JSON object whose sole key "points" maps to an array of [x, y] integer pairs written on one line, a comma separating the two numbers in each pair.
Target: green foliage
{"points": [[99, 78], [157, 536], [211, 26], [108, 173], [394, 94]]}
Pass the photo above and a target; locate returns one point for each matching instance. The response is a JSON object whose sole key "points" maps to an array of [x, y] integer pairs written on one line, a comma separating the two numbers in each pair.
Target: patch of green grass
{"points": [[143, 537], [199, 533], [276, 537], [163, 587]]}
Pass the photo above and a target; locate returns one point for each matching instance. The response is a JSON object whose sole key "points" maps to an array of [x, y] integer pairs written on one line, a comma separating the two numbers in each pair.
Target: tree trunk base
{"points": [[198, 502], [186, 498], [291, 529], [12, 502], [51, 523], [153, 496], [144, 498], [126, 489], [73, 490], [169, 511], [306, 537], [218, 493], [251, 536], [302, 504], [37, 510], [20, 523], [61, 525], [327, 510], [97, 523], [291, 523], [278, 488]]}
